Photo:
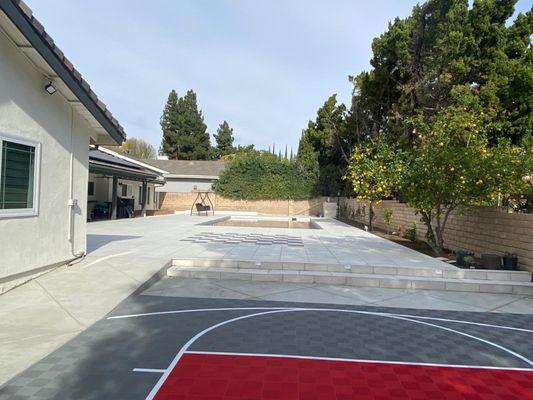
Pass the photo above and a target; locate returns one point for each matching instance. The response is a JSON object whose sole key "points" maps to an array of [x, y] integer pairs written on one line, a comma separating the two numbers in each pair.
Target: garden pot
{"points": [[510, 262], [460, 255], [491, 261]]}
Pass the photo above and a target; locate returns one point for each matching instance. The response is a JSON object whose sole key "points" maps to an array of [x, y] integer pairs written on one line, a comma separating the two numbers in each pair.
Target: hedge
{"points": [[263, 176]]}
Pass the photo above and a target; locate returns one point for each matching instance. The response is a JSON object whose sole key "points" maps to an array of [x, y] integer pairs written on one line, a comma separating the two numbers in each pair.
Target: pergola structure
{"points": [[112, 166]]}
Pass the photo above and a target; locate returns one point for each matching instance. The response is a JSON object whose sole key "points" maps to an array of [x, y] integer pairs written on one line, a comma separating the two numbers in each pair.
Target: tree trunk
{"points": [[435, 234], [430, 234], [371, 217]]}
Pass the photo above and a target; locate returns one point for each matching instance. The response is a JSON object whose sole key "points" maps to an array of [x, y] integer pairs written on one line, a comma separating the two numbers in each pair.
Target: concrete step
{"points": [[353, 279], [427, 272]]}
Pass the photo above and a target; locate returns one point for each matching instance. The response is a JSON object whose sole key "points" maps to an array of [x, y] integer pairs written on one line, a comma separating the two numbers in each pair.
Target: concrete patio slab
{"points": [[125, 254], [177, 236]]}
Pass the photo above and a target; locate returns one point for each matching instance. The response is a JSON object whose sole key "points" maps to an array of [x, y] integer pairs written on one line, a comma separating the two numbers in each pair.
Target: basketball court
{"points": [[162, 348]]}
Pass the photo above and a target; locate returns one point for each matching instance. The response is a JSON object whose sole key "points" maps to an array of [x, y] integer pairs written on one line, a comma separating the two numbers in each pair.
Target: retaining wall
{"points": [[482, 230], [184, 201]]}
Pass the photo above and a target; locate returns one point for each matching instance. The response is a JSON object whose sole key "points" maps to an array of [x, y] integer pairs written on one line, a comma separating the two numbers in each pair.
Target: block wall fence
{"points": [[481, 230], [170, 202]]}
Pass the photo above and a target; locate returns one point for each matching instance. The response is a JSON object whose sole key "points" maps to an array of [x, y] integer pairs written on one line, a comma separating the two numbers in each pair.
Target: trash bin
{"points": [[491, 261]]}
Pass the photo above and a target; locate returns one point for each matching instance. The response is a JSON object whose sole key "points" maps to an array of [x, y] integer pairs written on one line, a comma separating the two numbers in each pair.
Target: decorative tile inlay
{"points": [[236, 238]]}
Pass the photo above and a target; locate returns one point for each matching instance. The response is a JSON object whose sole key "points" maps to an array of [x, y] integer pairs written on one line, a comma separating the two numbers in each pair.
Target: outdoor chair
{"points": [[202, 208]]}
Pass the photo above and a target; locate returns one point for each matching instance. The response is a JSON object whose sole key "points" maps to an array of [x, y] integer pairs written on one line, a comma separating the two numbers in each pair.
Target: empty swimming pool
{"points": [[294, 223]]}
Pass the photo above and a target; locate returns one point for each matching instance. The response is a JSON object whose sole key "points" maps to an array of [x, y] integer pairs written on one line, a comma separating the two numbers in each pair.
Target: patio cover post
{"points": [[143, 198], [114, 198]]}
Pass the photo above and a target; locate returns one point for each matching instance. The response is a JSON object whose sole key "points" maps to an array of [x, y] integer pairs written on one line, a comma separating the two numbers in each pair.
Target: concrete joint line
{"points": [[60, 305]]}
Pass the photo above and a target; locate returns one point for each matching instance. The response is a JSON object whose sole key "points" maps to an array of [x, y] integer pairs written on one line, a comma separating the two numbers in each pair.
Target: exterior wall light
{"points": [[50, 89]]}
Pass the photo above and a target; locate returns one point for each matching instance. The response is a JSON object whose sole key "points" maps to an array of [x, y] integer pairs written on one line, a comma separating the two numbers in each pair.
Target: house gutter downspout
{"points": [[72, 203]]}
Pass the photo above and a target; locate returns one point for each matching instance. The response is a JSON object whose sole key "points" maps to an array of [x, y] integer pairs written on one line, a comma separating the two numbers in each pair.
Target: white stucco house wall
{"points": [[48, 117]]}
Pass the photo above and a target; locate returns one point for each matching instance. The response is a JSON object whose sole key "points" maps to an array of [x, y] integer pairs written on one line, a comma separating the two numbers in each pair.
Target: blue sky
{"points": [[265, 66]]}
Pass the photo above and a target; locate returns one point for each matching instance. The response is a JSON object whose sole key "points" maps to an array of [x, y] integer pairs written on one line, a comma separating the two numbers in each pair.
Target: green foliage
{"points": [[444, 44], [307, 159], [136, 148], [410, 233], [254, 175], [450, 165], [240, 151], [440, 114], [325, 146], [468, 260], [387, 218], [185, 134], [375, 170], [224, 141]]}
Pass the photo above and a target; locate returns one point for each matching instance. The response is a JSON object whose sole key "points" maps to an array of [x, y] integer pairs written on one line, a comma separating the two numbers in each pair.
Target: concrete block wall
{"points": [[481, 230], [184, 201]]}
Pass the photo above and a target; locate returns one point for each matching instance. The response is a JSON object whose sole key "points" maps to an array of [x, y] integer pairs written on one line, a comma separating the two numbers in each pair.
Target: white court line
{"points": [[107, 258], [186, 346], [525, 359], [176, 359], [154, 370], [339, 309], [197, 310], [355, 360], [464, 322]]}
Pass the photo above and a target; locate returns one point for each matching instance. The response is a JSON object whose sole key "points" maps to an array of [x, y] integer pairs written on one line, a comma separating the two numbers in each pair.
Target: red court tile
{"points": [[232, 377]]}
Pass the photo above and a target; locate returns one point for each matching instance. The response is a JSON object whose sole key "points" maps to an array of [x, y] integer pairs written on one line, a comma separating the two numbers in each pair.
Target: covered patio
{"points": [[120, 187]]}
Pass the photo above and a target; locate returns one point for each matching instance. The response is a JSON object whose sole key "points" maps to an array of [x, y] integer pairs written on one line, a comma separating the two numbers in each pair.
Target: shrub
{"points": [[258, 175], [410, 233], [387, 218]]}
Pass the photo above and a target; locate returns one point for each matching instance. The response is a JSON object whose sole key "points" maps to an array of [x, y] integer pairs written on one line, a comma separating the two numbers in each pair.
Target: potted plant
{"points": [[510, 261], [468, 262], [460, 255]]}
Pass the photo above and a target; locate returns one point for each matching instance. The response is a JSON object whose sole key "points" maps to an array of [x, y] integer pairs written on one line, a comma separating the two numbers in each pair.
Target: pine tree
{"points": [[184, 131], [224, 140]]}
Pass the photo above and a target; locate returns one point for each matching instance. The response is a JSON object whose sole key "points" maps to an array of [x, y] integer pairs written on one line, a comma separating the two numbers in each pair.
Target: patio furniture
{"points": [[203, 203], [202, 207]]}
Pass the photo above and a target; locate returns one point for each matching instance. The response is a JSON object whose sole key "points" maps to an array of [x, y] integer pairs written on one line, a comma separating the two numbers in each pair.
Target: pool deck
{"points": [[123, 255], [335, 243]]}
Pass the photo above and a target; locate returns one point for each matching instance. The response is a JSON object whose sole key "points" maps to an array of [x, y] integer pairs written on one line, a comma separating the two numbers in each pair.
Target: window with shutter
{"points": [[18, 177]]}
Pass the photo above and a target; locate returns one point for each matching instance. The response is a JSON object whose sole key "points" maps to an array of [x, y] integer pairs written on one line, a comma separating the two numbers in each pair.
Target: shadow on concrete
{"points": [[98, 363], [95, 241]]}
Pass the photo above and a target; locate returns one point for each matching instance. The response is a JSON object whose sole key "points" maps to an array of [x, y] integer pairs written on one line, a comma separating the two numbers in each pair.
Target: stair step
{"points": [[428, 272], [353, 279]]}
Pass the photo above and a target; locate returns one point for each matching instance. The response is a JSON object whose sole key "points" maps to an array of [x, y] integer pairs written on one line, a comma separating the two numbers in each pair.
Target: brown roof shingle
{"points": [[189, 167]]}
